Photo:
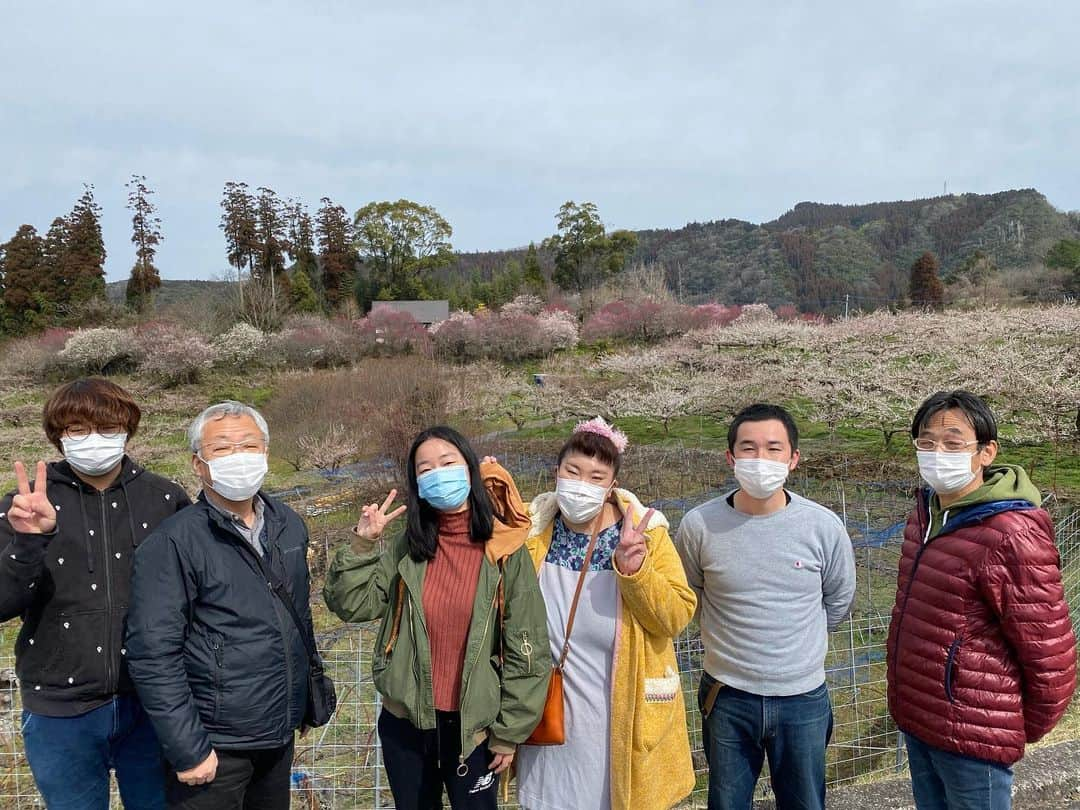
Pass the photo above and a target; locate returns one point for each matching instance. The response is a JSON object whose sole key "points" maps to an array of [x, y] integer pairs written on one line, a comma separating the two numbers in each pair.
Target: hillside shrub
{"points": [[309, 341], [36, 357], [239, 346], [509, 337], [385, 332], [172, 355], [101, 350]]}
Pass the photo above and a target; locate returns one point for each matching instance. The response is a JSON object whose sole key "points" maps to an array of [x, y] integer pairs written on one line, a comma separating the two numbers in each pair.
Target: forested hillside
{"points": [[816, 253]]}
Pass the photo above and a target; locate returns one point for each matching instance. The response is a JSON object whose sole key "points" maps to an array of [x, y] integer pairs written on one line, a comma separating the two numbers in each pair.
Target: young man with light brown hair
{"points": [[68, 543]]}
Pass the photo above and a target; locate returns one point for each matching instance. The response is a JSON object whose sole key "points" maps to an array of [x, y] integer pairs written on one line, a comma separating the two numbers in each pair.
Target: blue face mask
{"points": [[444, 488]]}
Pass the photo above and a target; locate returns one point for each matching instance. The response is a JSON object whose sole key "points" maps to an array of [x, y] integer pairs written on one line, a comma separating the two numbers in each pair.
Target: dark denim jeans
{"points": [[942, 780], [743, 729], [70, 757]]}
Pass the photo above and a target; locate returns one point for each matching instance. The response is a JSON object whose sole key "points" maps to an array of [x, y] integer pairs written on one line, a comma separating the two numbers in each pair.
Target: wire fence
{"points": [[338, 767]]}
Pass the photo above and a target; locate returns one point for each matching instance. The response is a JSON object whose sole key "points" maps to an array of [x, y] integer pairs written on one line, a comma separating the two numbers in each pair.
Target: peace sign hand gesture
{"points": [[630, 553], [30, 511], [373, 519]]}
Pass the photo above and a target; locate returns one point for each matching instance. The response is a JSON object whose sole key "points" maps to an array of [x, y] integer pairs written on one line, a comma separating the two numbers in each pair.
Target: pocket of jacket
{"points": [[84, 654], [217, 647], [658, 709], [950, 669]]}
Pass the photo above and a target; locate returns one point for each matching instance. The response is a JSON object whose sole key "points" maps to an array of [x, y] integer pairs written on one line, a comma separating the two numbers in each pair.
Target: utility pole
{"points": [[847, 298]]}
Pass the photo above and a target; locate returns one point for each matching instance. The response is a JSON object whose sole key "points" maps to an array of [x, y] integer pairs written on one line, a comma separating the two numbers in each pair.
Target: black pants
{"points": [[420, 764], [245, 780]]}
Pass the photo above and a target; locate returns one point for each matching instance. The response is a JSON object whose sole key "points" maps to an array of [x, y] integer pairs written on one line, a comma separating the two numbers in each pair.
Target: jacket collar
{"points": [[966, 515], [545, 506], [273, 514], [970, 515]]}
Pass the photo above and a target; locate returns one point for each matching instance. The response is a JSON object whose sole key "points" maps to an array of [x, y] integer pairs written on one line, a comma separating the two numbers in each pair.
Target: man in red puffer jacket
{"points": [[981, 651]]}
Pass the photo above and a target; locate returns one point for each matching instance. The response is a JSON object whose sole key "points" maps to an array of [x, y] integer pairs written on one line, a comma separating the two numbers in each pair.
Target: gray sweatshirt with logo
{"points": [[769, 589]]}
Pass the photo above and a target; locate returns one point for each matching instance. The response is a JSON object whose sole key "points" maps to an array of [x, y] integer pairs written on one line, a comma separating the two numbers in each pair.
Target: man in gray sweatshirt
{"points": [[774, 572]]}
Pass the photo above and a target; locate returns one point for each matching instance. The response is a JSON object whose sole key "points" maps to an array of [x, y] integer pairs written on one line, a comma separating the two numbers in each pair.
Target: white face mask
{"points": [[579, 501], [760, 477], [238, 476], [94, 454], [945, 472]]}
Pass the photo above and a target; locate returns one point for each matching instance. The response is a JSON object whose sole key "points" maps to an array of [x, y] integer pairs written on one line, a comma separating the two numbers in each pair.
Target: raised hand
{"points": [[630, 553], [373, 518], [30, 511]]}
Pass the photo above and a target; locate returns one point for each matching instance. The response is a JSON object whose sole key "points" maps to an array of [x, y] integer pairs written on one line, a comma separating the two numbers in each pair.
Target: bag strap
{"points": [[577, 593], [395, 626], [282, 593]]}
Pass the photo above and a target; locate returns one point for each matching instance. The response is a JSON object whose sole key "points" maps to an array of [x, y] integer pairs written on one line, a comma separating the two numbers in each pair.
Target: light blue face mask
{"points": [[444, 488]]}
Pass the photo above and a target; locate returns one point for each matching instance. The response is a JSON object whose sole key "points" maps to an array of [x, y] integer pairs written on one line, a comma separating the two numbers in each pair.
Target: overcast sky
{"points": [[660, 113]]}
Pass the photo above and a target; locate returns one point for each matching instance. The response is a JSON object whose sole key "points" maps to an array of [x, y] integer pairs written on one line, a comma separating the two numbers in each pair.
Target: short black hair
{"points": [[422, 519], [761, 412], [974, 408], [594, 446]]}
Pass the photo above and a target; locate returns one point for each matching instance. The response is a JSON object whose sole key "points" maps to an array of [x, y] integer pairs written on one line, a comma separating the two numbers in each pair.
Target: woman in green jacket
{"points": [[459, 659]]}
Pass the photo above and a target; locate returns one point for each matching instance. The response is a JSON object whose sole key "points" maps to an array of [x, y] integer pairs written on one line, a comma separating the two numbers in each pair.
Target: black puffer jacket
{"points": [[71, 586], [216, 658]]}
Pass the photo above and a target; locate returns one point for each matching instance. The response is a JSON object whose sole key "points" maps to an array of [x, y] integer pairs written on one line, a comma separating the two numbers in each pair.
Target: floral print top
{"points": [[568, 547]]}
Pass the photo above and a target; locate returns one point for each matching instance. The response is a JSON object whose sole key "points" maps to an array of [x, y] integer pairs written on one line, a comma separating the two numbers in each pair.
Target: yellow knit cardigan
{"points": [[651, 768]]}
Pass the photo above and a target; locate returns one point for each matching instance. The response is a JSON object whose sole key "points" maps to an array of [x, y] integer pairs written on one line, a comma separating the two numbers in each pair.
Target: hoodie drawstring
{"points": [[130, 510], [86, 529]]}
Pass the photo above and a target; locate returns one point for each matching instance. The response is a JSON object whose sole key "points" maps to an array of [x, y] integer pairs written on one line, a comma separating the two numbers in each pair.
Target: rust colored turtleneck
{"points": [[448, 595]]}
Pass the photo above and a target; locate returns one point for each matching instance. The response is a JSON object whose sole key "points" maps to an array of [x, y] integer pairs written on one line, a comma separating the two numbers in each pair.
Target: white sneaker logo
{"points": [[483, 783]]}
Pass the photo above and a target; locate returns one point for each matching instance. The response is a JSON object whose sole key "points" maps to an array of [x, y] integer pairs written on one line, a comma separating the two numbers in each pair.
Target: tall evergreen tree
{"points": [[301, 242], [925, 288], [271, 238], [238, 226], [146, 236], [54, 284], [302, 297], [336, 255], [84, 254], [25, 306], [533, 274]]}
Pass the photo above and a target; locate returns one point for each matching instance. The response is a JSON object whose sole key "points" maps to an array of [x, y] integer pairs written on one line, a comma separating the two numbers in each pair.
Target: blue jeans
{"points": [[942, 780], [742, 729], [70, 757]]}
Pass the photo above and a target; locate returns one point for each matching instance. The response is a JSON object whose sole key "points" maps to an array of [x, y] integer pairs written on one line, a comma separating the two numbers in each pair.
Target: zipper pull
{"points": [[526, 648]]}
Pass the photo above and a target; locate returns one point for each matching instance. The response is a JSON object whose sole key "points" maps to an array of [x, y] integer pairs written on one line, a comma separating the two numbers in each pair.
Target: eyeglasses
{"points": [[82, 431], [221, 449], [947, 445]]}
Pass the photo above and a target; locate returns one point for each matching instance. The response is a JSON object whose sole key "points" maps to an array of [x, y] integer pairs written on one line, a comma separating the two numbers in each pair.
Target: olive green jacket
{"points": [[499, 701]]}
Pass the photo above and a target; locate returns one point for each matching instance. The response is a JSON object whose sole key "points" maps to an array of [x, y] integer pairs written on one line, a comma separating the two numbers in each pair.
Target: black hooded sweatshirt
{"points": [[71, 586]]}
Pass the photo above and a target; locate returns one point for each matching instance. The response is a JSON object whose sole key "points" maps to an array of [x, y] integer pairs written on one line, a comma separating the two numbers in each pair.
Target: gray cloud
{"points": [[660, 113]]}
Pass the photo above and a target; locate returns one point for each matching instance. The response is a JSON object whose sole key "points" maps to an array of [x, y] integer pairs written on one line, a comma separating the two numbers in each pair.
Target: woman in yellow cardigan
{"points": [[626, 741]]}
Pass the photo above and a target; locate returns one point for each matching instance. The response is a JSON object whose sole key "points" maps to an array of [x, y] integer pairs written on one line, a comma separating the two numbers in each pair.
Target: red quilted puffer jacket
{"points": [[981, 652]]}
